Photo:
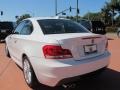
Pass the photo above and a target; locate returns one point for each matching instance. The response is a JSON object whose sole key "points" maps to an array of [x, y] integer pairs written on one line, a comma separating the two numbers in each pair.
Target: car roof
{"points": [[41, 18]]}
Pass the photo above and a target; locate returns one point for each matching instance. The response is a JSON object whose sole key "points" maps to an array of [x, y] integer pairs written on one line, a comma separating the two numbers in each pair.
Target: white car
{"points": [[56, 50]]}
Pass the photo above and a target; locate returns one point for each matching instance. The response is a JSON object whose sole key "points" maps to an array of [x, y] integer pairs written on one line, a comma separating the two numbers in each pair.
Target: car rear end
{"points": [[71, 56]]}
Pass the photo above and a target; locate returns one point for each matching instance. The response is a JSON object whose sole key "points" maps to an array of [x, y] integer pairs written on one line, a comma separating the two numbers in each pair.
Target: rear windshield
{"points": [[6, 25], [58, 26], [86, 24]]}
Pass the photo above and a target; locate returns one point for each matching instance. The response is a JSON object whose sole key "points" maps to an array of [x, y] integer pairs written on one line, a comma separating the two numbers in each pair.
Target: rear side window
{"points": [[24, 28], [27, 29], [58, 26], [19, 27]]}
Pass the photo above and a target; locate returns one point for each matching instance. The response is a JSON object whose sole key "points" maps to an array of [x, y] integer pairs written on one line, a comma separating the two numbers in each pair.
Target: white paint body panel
{"points": [[52, 72]]}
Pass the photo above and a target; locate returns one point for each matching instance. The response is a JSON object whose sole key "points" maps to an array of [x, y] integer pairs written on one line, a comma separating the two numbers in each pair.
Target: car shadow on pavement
{"points": [[108, 80]]}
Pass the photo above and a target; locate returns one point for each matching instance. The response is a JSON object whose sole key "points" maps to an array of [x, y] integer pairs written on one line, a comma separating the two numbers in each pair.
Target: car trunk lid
{"points": [[83, 45]]}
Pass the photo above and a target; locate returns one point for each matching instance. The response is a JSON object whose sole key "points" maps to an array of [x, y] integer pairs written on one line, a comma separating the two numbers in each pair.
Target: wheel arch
{"points": [[23, 56], [34, 75]]}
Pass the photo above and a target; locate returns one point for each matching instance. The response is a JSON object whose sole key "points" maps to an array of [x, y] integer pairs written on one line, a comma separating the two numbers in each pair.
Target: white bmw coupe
{"points": [[56, 51]]}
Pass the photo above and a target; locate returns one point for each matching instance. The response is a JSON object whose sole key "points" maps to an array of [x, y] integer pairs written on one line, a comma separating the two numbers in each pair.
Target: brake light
{"points": [[56, 52]]}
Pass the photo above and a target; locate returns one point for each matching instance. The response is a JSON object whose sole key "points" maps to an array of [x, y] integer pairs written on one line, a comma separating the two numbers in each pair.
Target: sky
{"points": [[37, 8]]}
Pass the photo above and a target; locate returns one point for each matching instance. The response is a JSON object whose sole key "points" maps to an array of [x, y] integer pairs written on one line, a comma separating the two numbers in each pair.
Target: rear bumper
{"points": [[53, 73]]}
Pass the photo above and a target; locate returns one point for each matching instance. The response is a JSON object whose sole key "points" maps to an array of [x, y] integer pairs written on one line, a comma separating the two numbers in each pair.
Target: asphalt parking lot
{"points": [[11, 76]]}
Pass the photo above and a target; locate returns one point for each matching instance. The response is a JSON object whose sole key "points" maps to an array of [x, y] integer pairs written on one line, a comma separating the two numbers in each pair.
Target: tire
{"points": [[118, 34], [29, 74], [7, 51]]}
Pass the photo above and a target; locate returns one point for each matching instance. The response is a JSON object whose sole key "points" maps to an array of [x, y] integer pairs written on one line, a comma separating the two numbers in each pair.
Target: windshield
{"points": [[59, 26]]}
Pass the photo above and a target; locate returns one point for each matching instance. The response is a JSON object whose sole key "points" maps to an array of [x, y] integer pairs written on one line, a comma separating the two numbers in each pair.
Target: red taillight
{"points": [[56, 52]]}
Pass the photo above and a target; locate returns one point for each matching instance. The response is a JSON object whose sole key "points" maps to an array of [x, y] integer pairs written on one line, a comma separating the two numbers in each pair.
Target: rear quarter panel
{"points": [[32, 45]]}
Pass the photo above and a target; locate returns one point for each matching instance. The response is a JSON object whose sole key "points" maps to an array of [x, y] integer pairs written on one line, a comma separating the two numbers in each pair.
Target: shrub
{"points": [[111, 29]]}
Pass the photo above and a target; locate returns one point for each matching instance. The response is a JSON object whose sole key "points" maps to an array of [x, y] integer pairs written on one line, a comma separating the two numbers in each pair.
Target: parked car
{"points": [[6, 29], [56, 51], [96, 27], [118, 32]]}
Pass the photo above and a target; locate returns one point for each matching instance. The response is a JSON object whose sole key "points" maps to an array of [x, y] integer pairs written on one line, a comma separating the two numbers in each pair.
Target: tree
{"points": [[20, 18], [93, 16], [118, 21], [73, 17], [106, 15], [118, 7], [112, 8]]}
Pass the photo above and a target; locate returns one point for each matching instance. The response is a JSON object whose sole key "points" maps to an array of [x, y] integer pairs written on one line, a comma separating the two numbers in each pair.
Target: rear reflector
{"points": [[56, 52]]}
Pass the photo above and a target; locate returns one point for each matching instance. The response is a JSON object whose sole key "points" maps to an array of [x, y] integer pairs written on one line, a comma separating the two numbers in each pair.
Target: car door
{"points": [[20, 40], [13, 39]]}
